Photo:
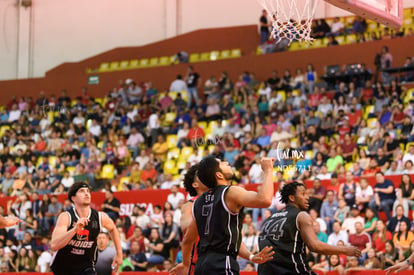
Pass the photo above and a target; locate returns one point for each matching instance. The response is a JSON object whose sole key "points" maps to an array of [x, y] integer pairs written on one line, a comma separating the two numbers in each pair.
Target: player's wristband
{"points": [[251, 257]]}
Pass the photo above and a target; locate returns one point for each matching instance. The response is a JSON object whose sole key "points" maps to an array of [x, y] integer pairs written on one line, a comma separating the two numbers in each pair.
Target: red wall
{"points": [[72, 76]]}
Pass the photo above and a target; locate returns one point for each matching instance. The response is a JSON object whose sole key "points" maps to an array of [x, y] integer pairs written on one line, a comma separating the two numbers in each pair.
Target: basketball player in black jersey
{"points": [[74, 238], [289, 230], [218, 220]]}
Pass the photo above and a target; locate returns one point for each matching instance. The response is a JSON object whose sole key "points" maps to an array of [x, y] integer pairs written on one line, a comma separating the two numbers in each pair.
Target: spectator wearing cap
{"points": [[384, 195], [350, 221], [111, 205]]}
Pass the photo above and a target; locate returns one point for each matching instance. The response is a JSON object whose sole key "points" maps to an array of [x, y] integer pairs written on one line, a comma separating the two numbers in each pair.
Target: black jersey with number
{"points": [[81, 251], [280, 231], [219, 228]]}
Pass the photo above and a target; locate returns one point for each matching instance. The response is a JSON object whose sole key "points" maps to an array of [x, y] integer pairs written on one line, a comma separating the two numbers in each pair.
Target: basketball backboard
{"points": [[387, 12]]}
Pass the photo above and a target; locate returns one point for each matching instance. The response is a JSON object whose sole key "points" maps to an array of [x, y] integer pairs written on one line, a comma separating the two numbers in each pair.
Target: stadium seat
{"points": [[164, 60], [154, 61], [194, 57], [367, 110], [108, 171], [211, 148], [173, 153], [309, 154], [340, 39], [172, 141], [51, 116], [181, 164], [225, 54], [170, 117], [52, 161], [100, 145], [294, 46], [348, 166], [407, 146], [372, 123], [283, 95], [104, 67], [351, 38], [114, 66], [144, 62], [184, 95], [214, 55], [205, 56], [124, 65], [134, 63], [186, 152], [236, 53], [71, 170], [170, 167], [202, 124], [294, 142], [3, 129]]}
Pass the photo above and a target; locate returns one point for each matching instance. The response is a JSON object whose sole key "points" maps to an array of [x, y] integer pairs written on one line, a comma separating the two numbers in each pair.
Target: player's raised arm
{"points": [[305, 225], [262, 198], [61, 236]]}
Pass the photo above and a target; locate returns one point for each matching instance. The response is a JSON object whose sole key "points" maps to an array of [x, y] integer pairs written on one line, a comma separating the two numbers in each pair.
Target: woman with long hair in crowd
{"points": [[403, 237], [405, 194], [170, 234], [370, 221], [380, 237]]}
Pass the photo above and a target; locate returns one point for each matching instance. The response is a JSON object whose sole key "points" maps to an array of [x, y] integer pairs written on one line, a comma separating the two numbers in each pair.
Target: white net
{"points": [[291, 19]]}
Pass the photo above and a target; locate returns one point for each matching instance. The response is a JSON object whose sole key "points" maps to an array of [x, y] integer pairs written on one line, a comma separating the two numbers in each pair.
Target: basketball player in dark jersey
{"points": [[289, 230], [74, 238], [218, 220], [195, 188]]}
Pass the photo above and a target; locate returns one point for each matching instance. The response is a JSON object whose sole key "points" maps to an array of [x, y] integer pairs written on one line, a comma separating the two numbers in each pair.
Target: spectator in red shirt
{"points": [[380, 237], [148, 173], [349, 148], [398, 116], [195, 133], [361, 240]]}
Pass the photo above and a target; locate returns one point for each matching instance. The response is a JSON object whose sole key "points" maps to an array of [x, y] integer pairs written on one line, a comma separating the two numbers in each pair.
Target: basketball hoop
{"points": [[290, 21]]}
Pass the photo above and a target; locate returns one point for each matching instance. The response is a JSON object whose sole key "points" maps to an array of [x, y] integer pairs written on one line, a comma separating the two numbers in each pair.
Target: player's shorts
{"points": [[217, 264], [272, 269]]}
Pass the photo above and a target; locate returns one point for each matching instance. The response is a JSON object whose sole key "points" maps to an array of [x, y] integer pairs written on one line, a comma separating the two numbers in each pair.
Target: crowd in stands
{"points": [[357, 131]]}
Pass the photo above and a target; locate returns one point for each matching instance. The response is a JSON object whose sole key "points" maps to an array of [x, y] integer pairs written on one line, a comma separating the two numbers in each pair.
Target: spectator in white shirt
{"points": [[409, 155], [337, 235], [178, 84], [135, 139], [79, 119], [354, 217], [142, 159], [255, 172], [67, 181], [14, 113], [95, 128], [175, 197], [168, 182]]}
